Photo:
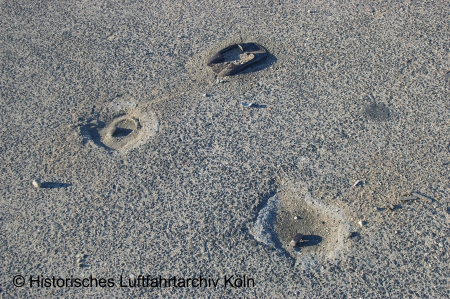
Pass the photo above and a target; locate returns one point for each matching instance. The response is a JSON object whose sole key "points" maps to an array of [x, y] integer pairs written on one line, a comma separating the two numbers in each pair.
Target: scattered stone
{"points": [[362, 222], [81, 261], [79, 257], [36, 183], [206, 95]]}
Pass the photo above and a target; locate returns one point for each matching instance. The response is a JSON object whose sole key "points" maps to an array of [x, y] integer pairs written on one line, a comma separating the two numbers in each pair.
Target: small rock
{"points": [[36, 183], [358, 183], [362, 222]]}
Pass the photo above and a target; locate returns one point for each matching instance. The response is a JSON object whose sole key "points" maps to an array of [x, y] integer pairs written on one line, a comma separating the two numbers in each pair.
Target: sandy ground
{"points": [[141, 174]]}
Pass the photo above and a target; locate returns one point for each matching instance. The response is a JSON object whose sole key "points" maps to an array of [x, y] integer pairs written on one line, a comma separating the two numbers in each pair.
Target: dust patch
{"points": [[373, 111], [263, 230], [376, 112]]}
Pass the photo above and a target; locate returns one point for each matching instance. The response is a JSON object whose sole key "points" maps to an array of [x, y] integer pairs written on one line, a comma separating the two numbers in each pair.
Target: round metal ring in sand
{"points": [[126, 131], [121, 132]]}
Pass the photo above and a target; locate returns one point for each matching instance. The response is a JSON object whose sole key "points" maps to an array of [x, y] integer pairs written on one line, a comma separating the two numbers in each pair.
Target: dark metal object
{"points": [[296, 239], [406, 198], [252, 53]]}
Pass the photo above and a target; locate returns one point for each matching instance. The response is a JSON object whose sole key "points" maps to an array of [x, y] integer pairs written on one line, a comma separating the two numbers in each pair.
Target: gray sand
{"points": [[143, 175]]}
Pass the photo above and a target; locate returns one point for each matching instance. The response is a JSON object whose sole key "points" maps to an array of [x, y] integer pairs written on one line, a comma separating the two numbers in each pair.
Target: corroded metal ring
{"points": [[251, 53]]}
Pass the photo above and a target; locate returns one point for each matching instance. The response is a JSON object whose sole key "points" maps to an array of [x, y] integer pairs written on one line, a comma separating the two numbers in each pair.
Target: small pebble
{"points": [[358, 183], [36, 184], [206, 95], [362, 222]]}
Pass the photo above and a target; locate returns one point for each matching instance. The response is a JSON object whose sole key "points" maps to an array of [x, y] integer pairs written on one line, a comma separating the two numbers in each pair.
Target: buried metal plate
{"points": [[249, 53]]}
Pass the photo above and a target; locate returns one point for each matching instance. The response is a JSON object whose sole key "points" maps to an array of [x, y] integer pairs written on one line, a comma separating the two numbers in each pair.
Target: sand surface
{"points": [[150, 166]]}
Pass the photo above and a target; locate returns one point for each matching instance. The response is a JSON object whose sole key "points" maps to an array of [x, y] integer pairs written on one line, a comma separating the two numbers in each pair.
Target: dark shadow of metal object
{"points": [[251, 53], [309, 240], [54, 185]]}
